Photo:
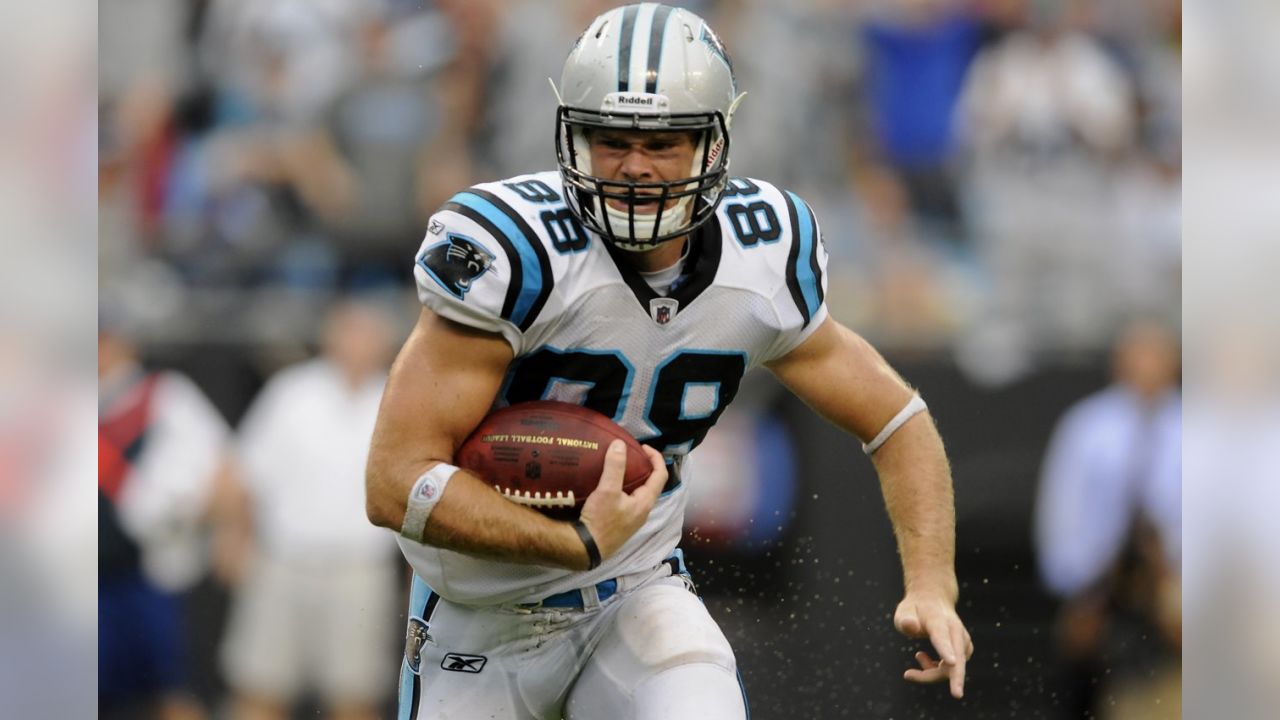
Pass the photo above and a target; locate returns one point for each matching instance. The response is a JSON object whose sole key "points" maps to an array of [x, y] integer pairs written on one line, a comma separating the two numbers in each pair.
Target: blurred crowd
{"points": [[996, 178]]}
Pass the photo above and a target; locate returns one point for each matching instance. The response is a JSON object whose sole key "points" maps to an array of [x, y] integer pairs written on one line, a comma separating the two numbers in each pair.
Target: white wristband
{"points": [[423, 497], [914, 406]]}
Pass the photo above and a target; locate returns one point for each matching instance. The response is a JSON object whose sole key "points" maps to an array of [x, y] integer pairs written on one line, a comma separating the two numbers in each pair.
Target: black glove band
{"points": [[593, 552]]}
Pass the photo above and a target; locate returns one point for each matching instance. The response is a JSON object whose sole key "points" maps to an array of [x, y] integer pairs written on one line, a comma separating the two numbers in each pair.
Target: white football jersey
{"points": [[509, 257]]}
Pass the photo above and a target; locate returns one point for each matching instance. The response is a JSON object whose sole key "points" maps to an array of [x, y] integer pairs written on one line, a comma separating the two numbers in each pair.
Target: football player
{"points": [[641, 281]]}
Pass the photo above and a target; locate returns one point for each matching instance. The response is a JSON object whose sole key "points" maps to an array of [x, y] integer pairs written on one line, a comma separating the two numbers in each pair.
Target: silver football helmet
{"points": [[646, 67]]}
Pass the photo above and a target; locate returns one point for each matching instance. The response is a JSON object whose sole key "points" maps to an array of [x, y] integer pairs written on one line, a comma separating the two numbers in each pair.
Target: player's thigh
{"points": [[661, 631], [463, 662], [262, 649], [357, 637]]}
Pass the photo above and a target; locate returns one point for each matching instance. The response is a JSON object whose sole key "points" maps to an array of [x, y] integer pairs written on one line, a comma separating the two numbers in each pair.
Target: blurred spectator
{"points": [[517, 106], [1108, 525], [379, 142], [901, 290], [794, 62], [315, 608], [142, 70], [1147, 255], [918, 52], [160, 444], [1046, 115], [249, 196]]}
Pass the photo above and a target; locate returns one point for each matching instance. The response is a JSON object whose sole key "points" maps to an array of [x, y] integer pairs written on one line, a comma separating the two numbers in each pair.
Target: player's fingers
{"points": [[932, 675], [957, 681], [957, 673], [926, 662], [941, 640], [658, 476], [615, 465], [961, 641]]}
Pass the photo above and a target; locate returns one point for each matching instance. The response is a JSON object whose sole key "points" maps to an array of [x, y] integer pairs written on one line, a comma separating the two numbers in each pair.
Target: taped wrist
{"points": [[424, 495], [593, 551], [914, 406]]}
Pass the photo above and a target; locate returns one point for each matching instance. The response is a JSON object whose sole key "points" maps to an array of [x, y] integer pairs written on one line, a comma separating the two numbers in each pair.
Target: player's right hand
{"points": [[612, 515]]}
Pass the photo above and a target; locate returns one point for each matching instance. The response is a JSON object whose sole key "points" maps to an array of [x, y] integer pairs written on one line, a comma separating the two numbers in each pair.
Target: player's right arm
{"points": [[441, 386], [484, 277]]}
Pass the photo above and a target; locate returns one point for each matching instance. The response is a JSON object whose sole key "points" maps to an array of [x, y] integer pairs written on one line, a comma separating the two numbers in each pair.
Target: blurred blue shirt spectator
{"points": [[1108, 527], [915, 72]]}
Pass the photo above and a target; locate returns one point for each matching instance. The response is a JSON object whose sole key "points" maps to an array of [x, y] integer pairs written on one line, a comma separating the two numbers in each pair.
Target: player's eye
{"points": [[612, 143]]}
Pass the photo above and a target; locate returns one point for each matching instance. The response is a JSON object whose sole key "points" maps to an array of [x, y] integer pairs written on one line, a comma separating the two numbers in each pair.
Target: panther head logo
{"points": [[456, 262], [416, 637]]}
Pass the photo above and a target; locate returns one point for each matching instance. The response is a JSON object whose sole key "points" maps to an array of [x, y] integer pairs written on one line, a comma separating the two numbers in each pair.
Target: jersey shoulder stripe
{"points": [[804, 273], [531, 278]]}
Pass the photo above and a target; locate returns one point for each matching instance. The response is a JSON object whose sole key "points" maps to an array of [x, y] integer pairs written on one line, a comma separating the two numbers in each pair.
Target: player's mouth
{"points": [[641, 207]]}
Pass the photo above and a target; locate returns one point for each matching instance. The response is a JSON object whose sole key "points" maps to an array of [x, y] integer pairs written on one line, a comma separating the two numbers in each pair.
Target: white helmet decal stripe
{"points": [[640, 47]]}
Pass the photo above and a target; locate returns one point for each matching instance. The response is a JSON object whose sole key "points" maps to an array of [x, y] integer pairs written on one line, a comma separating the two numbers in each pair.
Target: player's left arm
{"points": [[843, 378]]}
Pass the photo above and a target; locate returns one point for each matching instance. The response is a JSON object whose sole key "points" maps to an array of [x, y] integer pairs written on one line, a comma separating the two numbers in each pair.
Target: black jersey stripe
{"points": [[516, 283], [624, 47], [793, 259], [657, 31], [526, 313]]}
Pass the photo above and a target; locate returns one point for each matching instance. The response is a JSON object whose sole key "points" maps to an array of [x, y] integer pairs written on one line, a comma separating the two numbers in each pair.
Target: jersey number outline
{"points": [[606, 378], [566, 233], [752, 222]]}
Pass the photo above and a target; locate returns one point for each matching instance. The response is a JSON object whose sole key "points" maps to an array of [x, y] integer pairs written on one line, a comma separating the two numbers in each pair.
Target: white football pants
{"points": [[649, 652]]}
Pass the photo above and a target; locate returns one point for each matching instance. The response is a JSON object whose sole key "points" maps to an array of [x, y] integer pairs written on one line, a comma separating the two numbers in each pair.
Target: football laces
{"points": [[538, 498]]}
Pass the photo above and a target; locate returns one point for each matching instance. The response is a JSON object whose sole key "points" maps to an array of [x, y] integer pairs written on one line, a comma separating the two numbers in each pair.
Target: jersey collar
{"points": [[700, 268]]}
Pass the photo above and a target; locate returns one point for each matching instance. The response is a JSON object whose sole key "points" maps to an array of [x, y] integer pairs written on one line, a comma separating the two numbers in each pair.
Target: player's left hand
{"points": [[935, 618]]}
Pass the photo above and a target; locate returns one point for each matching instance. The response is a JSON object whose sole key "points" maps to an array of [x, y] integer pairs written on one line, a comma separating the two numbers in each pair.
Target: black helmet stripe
{"points": [[624, 47], [657, 31]]}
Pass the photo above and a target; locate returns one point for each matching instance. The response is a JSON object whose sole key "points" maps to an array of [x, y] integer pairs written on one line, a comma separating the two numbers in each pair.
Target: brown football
{"points": [[548, 455]]}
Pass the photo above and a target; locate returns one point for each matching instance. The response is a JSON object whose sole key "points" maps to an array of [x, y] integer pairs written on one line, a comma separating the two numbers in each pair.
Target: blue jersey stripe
{"points": [[422, 603], [807, 272], [534, 265], [814, 249]]}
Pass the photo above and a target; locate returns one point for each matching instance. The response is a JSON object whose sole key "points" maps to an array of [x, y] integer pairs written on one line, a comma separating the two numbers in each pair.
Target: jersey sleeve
{"points": [[482, 266], [800, 301]]}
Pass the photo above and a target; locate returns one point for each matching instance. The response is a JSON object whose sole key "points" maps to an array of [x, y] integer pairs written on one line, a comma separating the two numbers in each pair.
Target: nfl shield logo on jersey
{"points": [[663, 309]]}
